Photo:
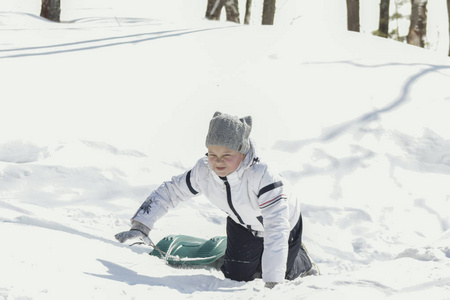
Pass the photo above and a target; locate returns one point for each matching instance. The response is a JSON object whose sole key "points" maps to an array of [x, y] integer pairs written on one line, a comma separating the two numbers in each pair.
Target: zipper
{"points": [[229, 199]]}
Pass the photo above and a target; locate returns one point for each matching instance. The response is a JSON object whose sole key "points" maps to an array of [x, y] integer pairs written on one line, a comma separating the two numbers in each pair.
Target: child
{"points": [[264, 224]]}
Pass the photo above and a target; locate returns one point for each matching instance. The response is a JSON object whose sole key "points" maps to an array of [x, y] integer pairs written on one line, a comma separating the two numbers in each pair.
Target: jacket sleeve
{"points": [[273, 203], [168, 195]]}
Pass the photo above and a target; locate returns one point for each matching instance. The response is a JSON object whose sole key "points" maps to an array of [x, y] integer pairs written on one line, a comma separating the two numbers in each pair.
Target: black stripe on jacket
{"points": [[188, 181], [270, 187]]}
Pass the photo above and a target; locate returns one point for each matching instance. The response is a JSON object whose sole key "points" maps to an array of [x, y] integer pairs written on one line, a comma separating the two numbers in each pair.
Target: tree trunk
{"points": [[213, 9], [232, 9], [383, 25], [418, 27], [268, 12], [353, 15], [248, 11], [51, 10], [448, 9]]}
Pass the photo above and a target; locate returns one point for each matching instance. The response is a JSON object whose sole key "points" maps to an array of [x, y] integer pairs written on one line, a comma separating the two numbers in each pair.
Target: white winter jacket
{"points": [[252, 196]]}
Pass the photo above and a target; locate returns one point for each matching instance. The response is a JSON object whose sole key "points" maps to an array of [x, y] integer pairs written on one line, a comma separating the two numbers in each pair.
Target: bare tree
{"points": [[353, 15], [418, 27], [51, 9], [268, 16], [248, 11], [383, 25], [448, 9], [214, 8], [232, 10]]}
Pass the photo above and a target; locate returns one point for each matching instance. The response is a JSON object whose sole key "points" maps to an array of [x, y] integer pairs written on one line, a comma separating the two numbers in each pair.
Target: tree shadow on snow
{"points": [[186, 284], [333, 132], [47, 224], [97, 43]]}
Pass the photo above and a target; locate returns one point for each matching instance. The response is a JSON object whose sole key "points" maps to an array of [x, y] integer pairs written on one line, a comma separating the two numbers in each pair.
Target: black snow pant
{"points": [[242, 261]]}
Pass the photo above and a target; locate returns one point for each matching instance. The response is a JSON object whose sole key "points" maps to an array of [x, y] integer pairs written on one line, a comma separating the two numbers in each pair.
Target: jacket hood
{"points": [[251, 157]]}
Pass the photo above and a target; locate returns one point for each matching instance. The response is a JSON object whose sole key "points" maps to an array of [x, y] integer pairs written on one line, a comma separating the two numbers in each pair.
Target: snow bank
{"points": [[358, 124]]}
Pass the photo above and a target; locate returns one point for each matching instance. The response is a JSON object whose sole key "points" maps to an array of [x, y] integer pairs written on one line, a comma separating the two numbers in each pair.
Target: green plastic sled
{"points": [[188, 251]]}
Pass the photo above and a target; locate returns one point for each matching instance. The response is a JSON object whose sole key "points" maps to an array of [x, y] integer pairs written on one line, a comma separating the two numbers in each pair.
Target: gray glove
{"points": [[137, 231]]}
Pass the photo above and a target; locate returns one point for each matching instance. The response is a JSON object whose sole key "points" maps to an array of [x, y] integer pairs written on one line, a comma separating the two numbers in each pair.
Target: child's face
{"points": [[223, 160]]}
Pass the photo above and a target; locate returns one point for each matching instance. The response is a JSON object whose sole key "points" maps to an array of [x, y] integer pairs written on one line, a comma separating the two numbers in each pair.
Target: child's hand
{"points": [[129, 235], [137, 231]]}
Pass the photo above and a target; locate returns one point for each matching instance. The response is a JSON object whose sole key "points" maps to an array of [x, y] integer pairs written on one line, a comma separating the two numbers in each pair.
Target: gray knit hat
{"points": [[230, 131]]}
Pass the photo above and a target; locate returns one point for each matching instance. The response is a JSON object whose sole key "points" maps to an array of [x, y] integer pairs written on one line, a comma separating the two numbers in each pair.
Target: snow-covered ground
{"points": [[97, 111]]}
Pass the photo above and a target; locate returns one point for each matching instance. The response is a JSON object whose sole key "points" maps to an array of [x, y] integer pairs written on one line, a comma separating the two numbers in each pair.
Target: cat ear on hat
{"points": [[217, 113], [247, 120]]}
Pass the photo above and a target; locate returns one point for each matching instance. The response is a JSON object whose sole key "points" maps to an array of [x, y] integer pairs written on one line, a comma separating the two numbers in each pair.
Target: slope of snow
{"points": [[97, 111]]}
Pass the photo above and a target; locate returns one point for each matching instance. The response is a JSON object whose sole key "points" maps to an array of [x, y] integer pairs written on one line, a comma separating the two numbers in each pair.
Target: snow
{"points": [[97, 111]]}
